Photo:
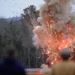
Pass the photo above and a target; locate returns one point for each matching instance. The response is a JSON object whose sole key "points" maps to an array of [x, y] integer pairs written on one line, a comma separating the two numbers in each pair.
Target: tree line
{"points": [[19, 33]]}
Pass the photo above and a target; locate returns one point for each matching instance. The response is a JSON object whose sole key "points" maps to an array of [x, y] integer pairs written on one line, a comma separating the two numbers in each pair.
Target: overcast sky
{"points": [[10, 8]]}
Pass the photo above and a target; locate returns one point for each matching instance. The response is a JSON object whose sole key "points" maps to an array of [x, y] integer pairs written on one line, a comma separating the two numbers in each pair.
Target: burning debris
{"points": [[57, 30]]}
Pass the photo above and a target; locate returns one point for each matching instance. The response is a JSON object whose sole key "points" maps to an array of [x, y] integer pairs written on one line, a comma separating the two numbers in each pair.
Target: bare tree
{"points": [[29, 20]]}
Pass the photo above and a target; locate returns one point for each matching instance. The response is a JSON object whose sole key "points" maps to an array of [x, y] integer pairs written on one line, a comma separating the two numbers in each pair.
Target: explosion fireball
{"points": [[57, 30]]}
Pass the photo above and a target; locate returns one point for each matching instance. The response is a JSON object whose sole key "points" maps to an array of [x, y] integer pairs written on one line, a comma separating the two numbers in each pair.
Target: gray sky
{"points": [[10, 8]]}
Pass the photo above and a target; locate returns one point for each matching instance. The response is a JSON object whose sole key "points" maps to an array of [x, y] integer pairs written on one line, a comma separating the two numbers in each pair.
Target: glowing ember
{"points": [[52, 63], [57, 30]]}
